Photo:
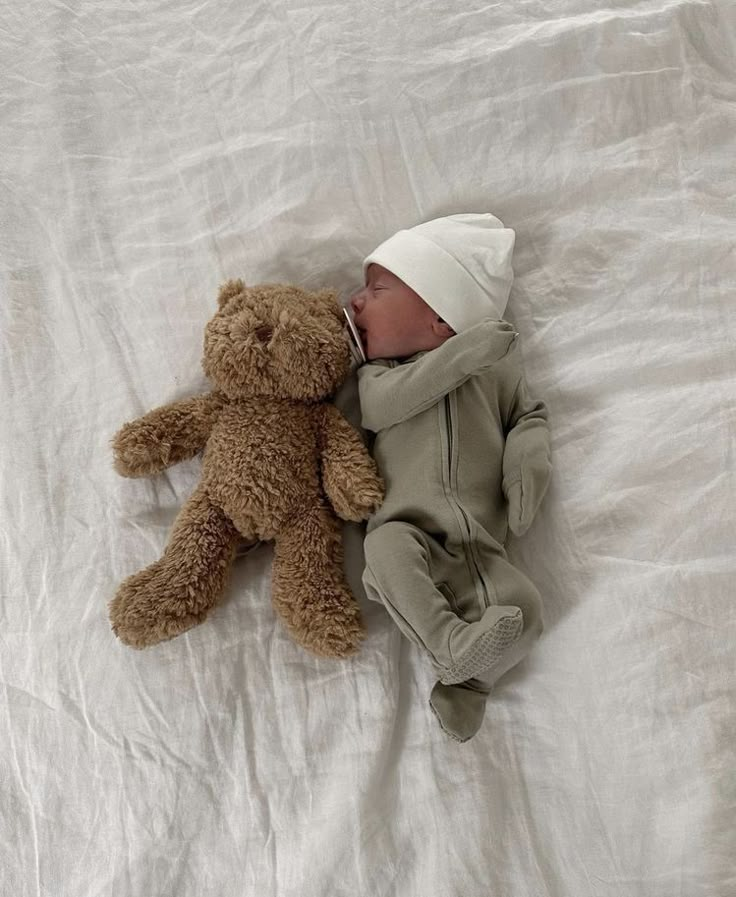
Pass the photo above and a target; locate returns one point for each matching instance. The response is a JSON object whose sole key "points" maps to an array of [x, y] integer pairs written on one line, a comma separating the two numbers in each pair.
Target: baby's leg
{"points": [[460, 708], [513, 587], [397, 573], [397, 576]]}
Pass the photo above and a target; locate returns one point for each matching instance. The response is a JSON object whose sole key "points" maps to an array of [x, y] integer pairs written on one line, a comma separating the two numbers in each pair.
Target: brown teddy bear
{"points": [[275, 451]]}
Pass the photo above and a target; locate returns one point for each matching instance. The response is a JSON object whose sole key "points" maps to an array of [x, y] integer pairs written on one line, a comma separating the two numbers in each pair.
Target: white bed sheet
{"points": [[150, 150]]}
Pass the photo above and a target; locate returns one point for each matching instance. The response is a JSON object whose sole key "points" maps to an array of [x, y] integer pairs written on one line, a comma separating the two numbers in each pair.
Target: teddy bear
{"points": [[280, 463]]}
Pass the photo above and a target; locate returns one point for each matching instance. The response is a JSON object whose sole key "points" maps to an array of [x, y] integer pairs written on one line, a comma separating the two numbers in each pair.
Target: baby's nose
{"points": [[356, 302]]}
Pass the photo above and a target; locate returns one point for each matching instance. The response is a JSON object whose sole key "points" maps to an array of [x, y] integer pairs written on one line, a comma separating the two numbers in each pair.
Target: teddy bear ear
{"points": [[228, 290]]}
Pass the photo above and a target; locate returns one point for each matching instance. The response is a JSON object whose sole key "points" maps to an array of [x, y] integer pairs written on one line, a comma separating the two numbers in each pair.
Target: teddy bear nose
{"points": [[264, 333]]}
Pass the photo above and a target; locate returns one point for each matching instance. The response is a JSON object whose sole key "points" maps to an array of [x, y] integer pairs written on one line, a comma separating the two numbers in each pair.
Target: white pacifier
{"points": [[356, 346]]}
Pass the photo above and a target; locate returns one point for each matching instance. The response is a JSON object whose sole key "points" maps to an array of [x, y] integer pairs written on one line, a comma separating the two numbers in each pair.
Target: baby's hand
{"points": [[517, 523], [525, 494]]}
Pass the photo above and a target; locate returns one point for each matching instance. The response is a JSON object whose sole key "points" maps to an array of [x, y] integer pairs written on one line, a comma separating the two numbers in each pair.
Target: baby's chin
{"points": [[374, 349], [392, 348]]}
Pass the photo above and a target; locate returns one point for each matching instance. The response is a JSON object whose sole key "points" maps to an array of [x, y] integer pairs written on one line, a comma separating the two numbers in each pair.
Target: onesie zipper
{"points": [[451, 492]]}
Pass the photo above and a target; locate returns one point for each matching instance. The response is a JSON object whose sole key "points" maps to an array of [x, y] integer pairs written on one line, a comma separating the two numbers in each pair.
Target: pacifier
{"points": [[356, 346]]}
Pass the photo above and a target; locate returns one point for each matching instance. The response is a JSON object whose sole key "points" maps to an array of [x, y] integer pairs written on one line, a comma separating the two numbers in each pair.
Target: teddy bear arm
{"points": [[349, 474], [165, 436]]}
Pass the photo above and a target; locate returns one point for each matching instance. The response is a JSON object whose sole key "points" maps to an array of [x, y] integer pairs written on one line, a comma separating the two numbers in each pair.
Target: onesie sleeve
{"points": [[391, 392], [526, 459]]}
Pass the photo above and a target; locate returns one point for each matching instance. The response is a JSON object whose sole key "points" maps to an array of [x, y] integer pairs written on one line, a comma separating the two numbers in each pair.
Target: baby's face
{"points": [[393, 320]]}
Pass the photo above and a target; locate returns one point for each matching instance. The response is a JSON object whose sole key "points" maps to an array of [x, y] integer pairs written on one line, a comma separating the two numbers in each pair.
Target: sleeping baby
{"points": [[463, 449]]}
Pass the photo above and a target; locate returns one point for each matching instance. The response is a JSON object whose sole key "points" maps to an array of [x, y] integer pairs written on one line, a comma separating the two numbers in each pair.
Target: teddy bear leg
{"points": [[176, 592], [309, 589]]}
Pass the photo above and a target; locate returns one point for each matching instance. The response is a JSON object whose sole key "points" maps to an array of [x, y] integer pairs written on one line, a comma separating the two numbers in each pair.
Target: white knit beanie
{"points": [[460, 266]]}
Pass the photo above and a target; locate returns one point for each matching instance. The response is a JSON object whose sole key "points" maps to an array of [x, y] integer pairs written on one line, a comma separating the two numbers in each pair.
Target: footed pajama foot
{"points": [[478, 647], [459, 709]]}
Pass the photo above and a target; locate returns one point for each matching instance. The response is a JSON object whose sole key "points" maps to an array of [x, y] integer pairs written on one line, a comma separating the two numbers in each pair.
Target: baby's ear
{"points": [[228, 290], [442, 328]]}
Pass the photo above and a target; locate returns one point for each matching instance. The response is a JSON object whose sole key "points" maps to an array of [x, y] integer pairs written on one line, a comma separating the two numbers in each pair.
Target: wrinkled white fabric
{"points": [[148, 151]]}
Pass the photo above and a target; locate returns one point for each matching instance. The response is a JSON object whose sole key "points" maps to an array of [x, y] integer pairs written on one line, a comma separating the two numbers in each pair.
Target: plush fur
{"points": [[275, 451]]}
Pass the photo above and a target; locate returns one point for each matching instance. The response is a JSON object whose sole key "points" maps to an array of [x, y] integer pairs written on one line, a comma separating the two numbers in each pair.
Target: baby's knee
{"points": [[513, 586], [391, 540]]}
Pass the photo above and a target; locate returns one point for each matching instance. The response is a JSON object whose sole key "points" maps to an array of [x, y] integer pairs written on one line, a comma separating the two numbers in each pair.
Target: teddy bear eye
{"points": [[264, 333]]}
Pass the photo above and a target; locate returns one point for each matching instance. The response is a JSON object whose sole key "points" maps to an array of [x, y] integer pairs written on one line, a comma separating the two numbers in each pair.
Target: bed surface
{"points": [[150, 151]]}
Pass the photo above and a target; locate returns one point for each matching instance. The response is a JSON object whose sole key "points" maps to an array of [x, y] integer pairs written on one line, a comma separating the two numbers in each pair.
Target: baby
{"points": [[463, 449]]}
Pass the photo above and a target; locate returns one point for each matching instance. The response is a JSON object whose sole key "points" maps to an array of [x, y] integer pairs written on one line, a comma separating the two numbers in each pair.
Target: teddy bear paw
{"points": [[334, 636], [147, 610], [137, 452], [361, 502]]}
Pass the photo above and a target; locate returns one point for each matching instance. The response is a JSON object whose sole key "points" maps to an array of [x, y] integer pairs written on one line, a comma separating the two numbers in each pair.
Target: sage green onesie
{"points": [[464, 452]]}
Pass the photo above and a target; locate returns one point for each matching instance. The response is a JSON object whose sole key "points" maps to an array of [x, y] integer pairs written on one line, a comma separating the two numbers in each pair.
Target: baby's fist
{"points": [[517, 523]]}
